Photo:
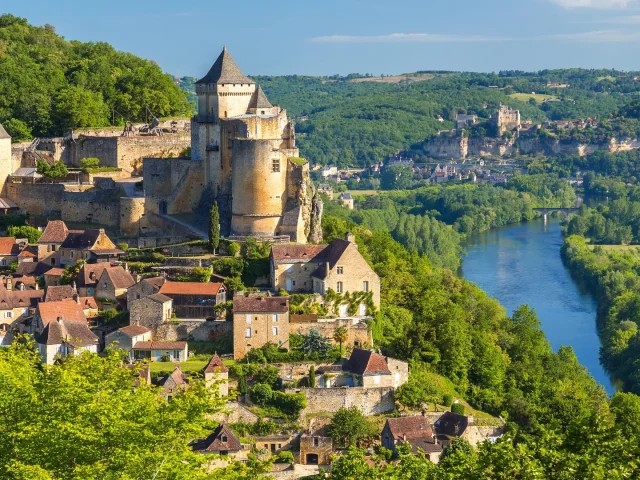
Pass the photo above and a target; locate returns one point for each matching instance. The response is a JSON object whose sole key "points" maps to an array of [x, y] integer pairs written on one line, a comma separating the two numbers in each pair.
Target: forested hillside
{"points": [[49, 85]]}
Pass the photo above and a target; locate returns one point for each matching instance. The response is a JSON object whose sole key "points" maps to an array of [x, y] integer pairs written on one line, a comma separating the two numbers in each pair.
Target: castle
{"points": [[507, 119], [244, 157]]}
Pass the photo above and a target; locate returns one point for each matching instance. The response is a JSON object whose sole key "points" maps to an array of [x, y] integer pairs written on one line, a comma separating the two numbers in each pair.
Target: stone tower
{"points": [[5, 158], [250, 158]]}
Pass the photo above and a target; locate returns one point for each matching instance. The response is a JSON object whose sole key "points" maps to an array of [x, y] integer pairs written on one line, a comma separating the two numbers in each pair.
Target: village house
{"points": [[195, 300], [151, 310], [365, 369], [221, 442], [338, 266], [315, 449], [9, 251], [111, 290], [326, 189], [347, 200], [144, 287], [216, 371], [172, 383], [415, 431], [126, 337], [462, 120], [258, 320], [61, 247], [161, 351], [64, 292], [53, 277], [28, 255], [61, 329], [88, 277], [17, 306]]}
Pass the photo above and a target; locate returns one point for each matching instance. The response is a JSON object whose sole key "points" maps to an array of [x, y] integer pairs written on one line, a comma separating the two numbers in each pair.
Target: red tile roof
{"points": [[56, 231], [365, 362], [55, 294], [90, 274], [88, 302], [191, 288], [56, 272], [160, 345], [260, 303], [134, 330], [27, 253], [68, 310], [409, 426], [8, 246], [215, 365]]}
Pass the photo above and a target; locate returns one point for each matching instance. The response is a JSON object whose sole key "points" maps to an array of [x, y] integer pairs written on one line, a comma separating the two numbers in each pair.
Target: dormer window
{"points": [[223, 438]]}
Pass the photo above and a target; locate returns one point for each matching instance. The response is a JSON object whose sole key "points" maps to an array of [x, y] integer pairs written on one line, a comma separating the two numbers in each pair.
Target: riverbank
{"points": [[521, 264]]}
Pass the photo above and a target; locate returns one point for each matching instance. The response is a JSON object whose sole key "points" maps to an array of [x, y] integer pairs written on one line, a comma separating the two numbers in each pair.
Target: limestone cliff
{"points": [[310, 206], [448, 146]]}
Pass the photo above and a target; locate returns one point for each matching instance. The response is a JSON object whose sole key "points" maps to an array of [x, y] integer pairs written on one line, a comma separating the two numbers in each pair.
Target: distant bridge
{"points": [[546, 211]]}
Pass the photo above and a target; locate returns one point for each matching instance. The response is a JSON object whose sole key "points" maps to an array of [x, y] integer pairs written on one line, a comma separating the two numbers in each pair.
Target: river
{"points": [[521, 264]]}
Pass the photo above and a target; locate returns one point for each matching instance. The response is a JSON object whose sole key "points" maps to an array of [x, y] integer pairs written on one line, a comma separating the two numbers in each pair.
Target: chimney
{"points": [[37, 285], [22, 286], [76, 298], [9, 284], [138, 278], [59, 319], [126, 266]]}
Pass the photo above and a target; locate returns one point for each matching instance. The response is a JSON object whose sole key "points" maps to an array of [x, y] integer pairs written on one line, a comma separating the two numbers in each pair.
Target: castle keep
{"points": [[247, 160]]}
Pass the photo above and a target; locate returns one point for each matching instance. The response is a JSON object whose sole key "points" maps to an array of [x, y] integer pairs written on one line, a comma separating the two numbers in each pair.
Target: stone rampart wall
{"points": [[371, 401], [191, 330], [358, 335]]}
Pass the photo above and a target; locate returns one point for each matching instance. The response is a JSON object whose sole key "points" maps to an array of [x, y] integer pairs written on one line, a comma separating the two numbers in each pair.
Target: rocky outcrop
{"points": [[310, 206], [315, 233]]}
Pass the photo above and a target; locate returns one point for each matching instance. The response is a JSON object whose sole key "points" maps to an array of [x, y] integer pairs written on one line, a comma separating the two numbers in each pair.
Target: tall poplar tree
{"points": [[214, 228]]}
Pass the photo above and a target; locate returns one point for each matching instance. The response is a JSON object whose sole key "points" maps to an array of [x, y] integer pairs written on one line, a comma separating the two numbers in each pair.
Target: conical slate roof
{"points": [[3, 132], [225, 70], [259, 99]]}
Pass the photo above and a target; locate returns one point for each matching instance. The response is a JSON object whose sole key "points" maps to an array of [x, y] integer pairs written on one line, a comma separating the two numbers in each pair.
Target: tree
{"points": [[214, 228], [312, 376], [56, 171], [341, 335], [314, 343], [30, 233], [348, 426], [88, 163], [18, 130]]}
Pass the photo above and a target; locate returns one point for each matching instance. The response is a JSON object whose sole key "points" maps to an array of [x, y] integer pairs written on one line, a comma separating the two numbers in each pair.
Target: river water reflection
{"points": [[521, 264]]}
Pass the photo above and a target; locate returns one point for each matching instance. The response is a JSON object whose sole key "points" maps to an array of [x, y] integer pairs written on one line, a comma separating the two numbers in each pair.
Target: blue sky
{"points": [[344, 36]]}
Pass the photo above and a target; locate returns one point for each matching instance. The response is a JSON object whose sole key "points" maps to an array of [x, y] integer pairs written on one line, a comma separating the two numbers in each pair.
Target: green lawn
{"points": [[360, 192], [539, 97]]}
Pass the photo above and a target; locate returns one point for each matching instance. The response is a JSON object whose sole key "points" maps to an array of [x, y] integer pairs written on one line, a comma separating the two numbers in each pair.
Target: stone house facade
{"points": [[347, 200], [258, 320], [315, 450], [151, 310], [216, 371], [126, 337], [365, 369], [144, 288], [113, 285], [415, 431], [158, 351], [9, 251], [338, 266], [195, 300]]}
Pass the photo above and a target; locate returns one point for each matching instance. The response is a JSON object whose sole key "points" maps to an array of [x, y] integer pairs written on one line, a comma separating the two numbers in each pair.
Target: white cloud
{"points": [[628, 20], [600, 4], [600, 36], [406, 38]]}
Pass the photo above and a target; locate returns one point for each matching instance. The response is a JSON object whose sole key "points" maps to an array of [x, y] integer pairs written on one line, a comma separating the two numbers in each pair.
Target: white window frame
{"points": [[247, 319], [274, 318], [275, 331], [247, 333], [365, 286], [339, 287]]}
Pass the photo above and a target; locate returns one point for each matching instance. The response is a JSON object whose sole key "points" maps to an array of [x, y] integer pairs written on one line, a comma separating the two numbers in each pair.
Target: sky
{"points": [[326, 37]]}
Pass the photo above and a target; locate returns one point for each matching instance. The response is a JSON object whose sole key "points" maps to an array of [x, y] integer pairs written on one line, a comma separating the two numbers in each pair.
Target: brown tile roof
{"points": [[90, 274], [172, 381], [366, 362], [160, 345], [191, 288], [8, 246], [225, 70], [120, 278], [10, 299], [215, 365], [221, 440], [33, 268], [298, 253], [134, 330], [73, 330], [56, 231], [332, 255], [260, 303], [155, 281], [23, 279], [55, 294], [409, 426], [55, 272], [68, 310], [158, 297], [259, 99]]}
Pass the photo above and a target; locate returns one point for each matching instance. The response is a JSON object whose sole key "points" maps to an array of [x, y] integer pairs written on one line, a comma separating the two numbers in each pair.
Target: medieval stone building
{"points": [[244, 156]]}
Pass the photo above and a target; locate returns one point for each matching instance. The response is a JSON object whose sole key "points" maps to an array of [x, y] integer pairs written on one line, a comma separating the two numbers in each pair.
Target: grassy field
{"points": [[394, 78], [361, 192], [539, 97], [619, 248]]}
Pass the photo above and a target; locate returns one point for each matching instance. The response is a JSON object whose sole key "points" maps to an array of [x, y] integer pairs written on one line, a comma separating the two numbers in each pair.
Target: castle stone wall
{"points": [[5, 161], [370, 401], [131, 214], [201, 331], [177, 181]]}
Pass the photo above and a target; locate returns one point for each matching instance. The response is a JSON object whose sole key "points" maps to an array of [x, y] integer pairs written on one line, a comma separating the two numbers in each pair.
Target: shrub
{"points": [[447, 400], [233, 249], [269, 376], [123, 246], [30, 233], [284, 456], [89, 163], [312, 377], [261, 393], [457, 408]]}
